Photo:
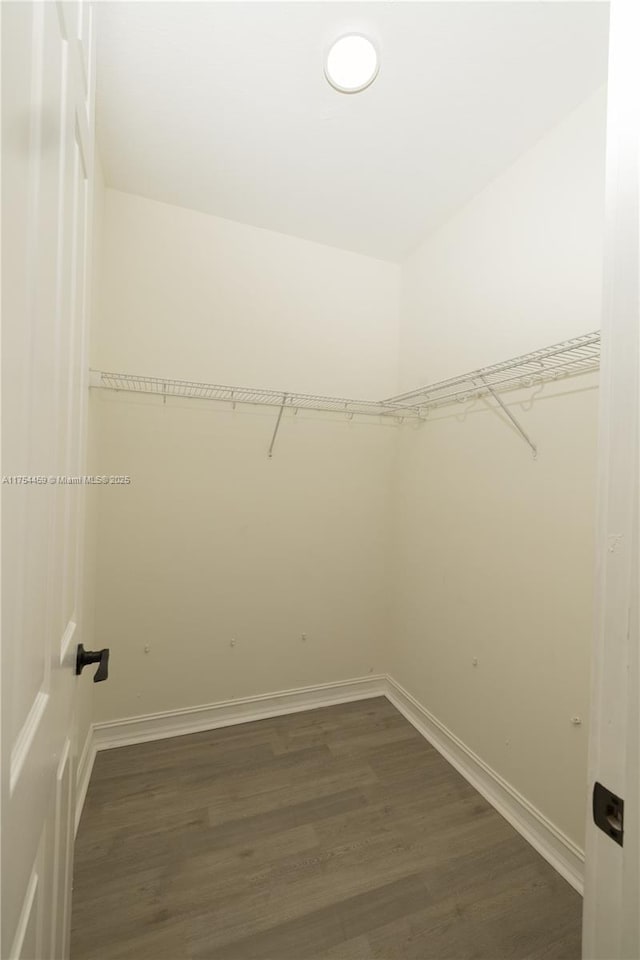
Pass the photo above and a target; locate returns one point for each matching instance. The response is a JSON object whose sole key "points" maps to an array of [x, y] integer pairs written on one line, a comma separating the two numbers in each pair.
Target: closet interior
{"points": [[353, 454], [340, 381]]}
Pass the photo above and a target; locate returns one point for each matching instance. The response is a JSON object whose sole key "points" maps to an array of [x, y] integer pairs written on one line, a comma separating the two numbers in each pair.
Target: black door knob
{"points": [[101, 657]]}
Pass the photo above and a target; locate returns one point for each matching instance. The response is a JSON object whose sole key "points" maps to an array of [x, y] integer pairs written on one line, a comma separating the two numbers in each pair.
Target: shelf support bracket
{"points": [[525, 436], [275, 432]]}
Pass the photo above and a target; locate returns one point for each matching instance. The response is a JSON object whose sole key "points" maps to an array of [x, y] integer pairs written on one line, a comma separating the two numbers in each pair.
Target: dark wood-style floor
{"points": [[336, 834]]}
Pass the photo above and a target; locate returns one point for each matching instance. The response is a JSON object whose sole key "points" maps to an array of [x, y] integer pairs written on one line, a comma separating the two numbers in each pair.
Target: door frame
{"points": [[611, 919]]}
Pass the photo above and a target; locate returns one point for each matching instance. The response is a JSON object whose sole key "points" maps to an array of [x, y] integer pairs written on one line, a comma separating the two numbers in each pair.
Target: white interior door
{"points": [[612, 887], [47, 155]]}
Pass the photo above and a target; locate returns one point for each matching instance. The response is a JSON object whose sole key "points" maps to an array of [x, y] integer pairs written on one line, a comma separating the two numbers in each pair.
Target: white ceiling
{"points": [[223, 107]]}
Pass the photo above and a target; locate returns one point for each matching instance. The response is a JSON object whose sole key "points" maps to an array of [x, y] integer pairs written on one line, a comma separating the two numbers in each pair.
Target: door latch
{"points": [[608, 812]]}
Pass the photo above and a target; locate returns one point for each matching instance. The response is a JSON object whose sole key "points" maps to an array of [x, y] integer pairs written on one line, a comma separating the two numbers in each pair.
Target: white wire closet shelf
{"points": [[244, 395], [569, 358]]}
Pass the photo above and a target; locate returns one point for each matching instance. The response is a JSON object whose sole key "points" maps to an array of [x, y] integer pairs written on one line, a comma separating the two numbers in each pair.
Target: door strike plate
{"points": [[608, 812]]}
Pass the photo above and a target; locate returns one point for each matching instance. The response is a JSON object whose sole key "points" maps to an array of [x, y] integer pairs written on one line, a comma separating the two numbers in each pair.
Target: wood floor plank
{"points": [[324, 928], [335, 834], [306, 812], [356, 949], [232, 875], [229, 806], [229, 754], [327, 876], [461, 921]]}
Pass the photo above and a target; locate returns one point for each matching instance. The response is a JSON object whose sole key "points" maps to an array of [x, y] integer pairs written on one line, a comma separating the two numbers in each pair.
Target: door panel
{"points": [[28, 938], [47, 137]]}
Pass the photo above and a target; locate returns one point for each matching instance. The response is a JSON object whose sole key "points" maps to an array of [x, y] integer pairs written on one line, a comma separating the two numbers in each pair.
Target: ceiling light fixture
{"points": [[352, 63]]}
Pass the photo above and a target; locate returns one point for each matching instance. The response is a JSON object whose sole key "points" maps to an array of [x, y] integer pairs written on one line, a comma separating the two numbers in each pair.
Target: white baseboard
{"points": [[564, 855], [83, 774], [210, 716]]}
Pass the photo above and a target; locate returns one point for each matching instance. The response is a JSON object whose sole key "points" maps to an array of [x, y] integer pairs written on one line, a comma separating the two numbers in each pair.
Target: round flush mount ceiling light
{"points": [[352, 63]]}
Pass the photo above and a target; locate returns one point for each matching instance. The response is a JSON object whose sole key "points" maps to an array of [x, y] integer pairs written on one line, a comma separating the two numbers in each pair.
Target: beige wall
{"points": [[494, 552], [196, 297], [213, 542], [519, 267]]}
